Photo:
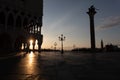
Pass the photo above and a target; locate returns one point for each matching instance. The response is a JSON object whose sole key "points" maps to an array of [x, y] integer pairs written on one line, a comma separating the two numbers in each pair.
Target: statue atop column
{"points": [[91, 12]]}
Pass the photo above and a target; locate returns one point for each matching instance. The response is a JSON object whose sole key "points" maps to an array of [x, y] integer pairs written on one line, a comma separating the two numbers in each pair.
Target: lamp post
{"points": [[62, 38], [55, 44]]}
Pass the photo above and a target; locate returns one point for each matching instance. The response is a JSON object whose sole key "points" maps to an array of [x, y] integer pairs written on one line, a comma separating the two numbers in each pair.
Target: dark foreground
{"points": [[54, 66]]}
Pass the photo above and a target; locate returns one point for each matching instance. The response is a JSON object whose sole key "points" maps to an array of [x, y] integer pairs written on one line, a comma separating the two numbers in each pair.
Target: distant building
{"points": [[20, 20], [111, 47]]}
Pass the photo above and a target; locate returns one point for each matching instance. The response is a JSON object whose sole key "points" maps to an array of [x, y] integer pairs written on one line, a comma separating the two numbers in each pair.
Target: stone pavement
{"points": [[77, 66]]}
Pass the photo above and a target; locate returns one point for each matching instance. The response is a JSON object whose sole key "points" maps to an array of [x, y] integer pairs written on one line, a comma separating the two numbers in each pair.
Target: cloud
{"points": [[109, 22]]}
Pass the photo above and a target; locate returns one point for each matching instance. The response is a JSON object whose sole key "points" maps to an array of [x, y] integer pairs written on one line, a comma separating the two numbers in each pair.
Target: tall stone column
{"points": [[91, 14]]}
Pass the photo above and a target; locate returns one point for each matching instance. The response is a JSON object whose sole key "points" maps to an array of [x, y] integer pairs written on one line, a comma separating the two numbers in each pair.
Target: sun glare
{"points": [[31, 55], [31, 44], [36, 44], [22, 46]]}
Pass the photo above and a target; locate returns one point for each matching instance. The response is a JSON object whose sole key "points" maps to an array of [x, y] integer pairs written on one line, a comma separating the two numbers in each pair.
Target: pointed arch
{"points": [[25, 22], [5, 42], [10, 21], [2, 18], [18, 42], [18, 22], [31, 26]]}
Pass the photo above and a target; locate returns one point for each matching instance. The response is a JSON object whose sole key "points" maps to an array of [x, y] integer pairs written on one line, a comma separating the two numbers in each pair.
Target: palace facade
{"points": [[20, 21]]}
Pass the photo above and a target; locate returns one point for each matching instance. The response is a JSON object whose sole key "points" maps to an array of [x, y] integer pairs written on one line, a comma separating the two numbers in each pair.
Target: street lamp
{"points": [[55, 44], [61, 38]]}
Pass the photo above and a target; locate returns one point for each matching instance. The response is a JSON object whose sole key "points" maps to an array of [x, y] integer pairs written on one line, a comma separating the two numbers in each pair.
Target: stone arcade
{"points": [[20, 21]]}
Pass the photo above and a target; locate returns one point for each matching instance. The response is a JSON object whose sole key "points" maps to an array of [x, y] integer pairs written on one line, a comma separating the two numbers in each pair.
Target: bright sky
{"points": [[68, 17]]}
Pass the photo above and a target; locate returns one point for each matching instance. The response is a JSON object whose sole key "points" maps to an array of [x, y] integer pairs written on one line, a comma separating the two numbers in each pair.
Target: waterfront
{"points": [[54, 66]]}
